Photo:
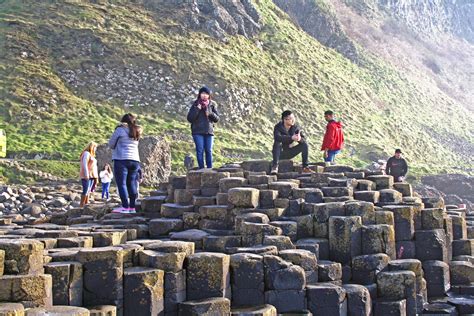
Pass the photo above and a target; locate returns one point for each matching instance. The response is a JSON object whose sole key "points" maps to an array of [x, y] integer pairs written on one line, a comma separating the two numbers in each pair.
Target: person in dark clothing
{"points": [[397, 166], [333, 138], [288, 142], [202, 115]]}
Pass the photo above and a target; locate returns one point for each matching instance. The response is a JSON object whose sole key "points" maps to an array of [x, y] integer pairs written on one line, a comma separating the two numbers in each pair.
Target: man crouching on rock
{"points": [[288, 142]]}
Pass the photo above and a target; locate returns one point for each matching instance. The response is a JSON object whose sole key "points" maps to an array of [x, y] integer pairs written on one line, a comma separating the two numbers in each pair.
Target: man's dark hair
{"points": [[398, 151], [285, 114], [328, 112]]}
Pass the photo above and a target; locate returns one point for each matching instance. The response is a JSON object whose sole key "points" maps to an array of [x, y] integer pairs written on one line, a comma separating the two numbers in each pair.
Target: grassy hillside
{"points": [[282, 68]]}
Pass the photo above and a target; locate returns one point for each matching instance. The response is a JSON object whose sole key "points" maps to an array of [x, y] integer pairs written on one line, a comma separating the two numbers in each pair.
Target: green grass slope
{"points": [[380, 107]]}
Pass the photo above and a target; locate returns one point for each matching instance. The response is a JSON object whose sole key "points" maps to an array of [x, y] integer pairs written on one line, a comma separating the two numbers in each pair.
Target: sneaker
{"points": [[120, 210], [307, 170], [274, 170], [131, 210]]}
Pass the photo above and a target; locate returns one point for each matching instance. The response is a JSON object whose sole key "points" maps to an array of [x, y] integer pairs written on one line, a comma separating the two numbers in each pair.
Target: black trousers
{"points": [[289, 153]]}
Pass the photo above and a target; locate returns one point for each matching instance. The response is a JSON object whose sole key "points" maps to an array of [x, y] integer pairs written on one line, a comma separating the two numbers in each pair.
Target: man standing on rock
{"points": [[333, 138], [397, 166], [288, 142]]}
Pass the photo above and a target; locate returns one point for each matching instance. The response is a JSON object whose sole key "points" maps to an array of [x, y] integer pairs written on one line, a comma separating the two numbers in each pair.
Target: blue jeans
{"points": [[105, 189], [203, 144], [331, 155], [126, 177], [86, 186]]}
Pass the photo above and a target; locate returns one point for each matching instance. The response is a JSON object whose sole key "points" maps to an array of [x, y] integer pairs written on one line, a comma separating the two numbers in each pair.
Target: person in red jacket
{"points": [[333, 138]]}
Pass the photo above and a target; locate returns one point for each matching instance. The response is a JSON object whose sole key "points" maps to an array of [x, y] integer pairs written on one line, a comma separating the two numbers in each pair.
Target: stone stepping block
{"points": [[168, 262], [378, 239], [152, 204], [404, 221], [253, 233], [432, 218], [59, 255], [366, 267], [439, 309], [304, 224], [207, 275], [326, 299], [251, 217], [256, 166], [210, 306], [323, 211], [261, 179], [329, 271], [289, 228], [305, 259], [193, 179], [203, 200], [344, 238], [281, 242], [287, 301], [356, 174], [365, 185], [464, 258], [318, 246], [282, 275], [359, 301], [184, 196], [431, 245], [310, 195], [222, 199], [324, 176], [30, 290], [221, 243], [12, 309], [284, 188], [247, 279], [464, 247], [433, 202], [175, 291], [390, 196], [172, 246], [398, 285], [243, 197], [459, 227], [192, 235], [172, 210], [262, 310], [191, 220], [67, 282], [58, 311], [438, 278], [211, 179], [405, 249], [382, 181], [404, 188], [395, 308], [163, 226], [215, 212], [130, 254], [384, 217], [342, 182], [338, 168], [414, 266], [464, 304], [367, 196], [461, 272], [103, 310], [337, 191], [267, 198], [143, 291], [82, 242], [258, 250], [24, 256], [233, 182], [365, 210]]}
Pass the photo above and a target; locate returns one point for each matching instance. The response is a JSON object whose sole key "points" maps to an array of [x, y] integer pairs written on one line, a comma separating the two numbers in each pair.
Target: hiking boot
{"points": [[307, 170], [274, 170]]}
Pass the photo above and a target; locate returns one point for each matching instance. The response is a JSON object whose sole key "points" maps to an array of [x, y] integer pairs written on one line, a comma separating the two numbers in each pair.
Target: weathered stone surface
{"points": [[326, 299], [284, 188], [67, 282], [367, 196], [404, 188], [395, 308], [382, 181], [398, 285], [163, 226], [261, 310], [366, 267], [459, 227], [103, 310], [244, 197], [437, 277], [169, 262], [282, 275], [329, 271], [440, 309], [365, 210], [247, 279], [431, 245], [378, 239], [58, 311], [143, 291], [29, 290], [359, 301], [24, 256], [208, 275], [208, 306], [461, 272], [432, 218], [344, 238], [464, 247], [228, 183], [286, 300]]}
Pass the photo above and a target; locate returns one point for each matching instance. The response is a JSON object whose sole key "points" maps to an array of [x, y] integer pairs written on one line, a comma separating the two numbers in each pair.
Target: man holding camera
{"points": [[288, 142]]}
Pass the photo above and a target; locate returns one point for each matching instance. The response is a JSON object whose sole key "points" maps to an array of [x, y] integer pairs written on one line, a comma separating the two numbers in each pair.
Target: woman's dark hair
{"points": [[134, 130], [285, 114], [204, 90]]}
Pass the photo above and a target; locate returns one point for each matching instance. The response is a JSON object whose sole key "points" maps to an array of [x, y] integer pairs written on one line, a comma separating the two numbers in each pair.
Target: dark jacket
{"points": [[283, 136], [396, 167], [202, 124]]}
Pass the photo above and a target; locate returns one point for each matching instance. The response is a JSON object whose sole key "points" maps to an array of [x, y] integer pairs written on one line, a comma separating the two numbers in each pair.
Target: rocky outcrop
{"points": [[155, 158], [320, 22]]}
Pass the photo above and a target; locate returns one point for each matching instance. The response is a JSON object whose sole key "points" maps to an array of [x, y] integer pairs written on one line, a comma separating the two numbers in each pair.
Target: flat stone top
{"points": [[140, 270], [207, 255]]}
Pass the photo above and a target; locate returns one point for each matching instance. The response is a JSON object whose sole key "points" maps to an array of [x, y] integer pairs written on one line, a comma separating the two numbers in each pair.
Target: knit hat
{"points": [[205, 90]]}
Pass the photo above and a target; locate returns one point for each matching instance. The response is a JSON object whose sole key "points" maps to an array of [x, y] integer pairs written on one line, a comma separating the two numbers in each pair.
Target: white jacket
{"points": [[105, 176]]}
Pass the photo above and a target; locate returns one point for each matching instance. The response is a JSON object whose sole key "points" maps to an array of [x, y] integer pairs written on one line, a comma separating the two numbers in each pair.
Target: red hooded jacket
{"points": [[333, 139]]}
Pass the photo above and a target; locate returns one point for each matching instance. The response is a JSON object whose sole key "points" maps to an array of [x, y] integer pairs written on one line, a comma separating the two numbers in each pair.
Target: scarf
{"points": [[204, 104]]}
